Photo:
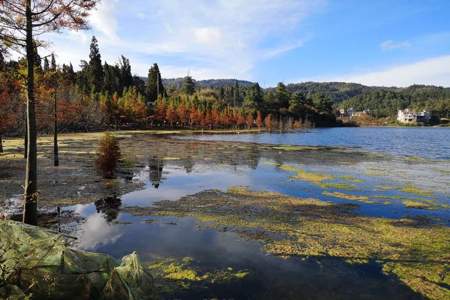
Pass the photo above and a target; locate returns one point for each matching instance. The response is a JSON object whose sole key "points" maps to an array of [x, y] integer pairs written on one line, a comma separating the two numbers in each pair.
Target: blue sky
{"points": [[390, 43]]}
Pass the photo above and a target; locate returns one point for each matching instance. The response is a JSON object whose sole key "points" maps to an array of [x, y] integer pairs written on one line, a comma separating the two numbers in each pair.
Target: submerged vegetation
{"points": [[415, 251], [176, 275]]}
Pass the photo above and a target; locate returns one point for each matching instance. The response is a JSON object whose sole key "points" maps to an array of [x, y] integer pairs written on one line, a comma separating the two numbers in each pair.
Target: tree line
{"points": [[39, 95], [104, 96], [386, 102]]}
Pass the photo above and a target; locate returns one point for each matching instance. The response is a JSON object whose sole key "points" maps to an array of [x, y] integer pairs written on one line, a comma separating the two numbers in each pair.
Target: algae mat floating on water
{"points": [[416, 251]]}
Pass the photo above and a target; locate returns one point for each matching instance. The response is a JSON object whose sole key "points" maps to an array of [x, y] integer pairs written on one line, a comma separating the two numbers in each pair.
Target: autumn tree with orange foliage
{"points": [[259, 120], [9, 91], [249, 121], [268, 122], [21, 23]]}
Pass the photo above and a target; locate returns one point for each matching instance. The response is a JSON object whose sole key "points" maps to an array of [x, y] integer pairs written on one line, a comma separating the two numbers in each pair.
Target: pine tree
{"points": [[236, 96], [155, 87], [46, 65], [95, 68], [188, 85], [2, 60], [282, 95], [53, 63], [126, 79]]}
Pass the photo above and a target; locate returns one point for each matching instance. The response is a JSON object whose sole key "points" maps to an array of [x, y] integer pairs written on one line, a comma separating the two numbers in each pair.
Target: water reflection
{"points": [[155, 166], [269, 277], [109, 207], [434, 142], [95, 230]]}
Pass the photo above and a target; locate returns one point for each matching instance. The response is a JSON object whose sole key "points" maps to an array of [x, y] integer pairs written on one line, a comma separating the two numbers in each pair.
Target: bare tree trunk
{"points": [[1, 144], [55, 135], [25, 142], [31, 197]]}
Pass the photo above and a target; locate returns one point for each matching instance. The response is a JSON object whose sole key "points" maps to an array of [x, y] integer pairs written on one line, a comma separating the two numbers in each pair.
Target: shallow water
{"points": [[106, 228], [424, 142]]}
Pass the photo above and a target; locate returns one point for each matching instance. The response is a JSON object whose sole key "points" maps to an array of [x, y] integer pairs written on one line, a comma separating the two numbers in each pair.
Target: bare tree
{"points": [[22, 22]]}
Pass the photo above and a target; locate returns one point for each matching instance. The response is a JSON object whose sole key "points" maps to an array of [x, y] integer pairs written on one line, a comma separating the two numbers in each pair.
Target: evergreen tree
{"points": [[53, 63], [188, 85], [221, 93], [95, 74], [282, 95], [2, 61], [112, 82], [46, 65], [257, 94], [126, 79], [155, 87], [297, 104], [68, 73], [139, 84], [236, 95]]}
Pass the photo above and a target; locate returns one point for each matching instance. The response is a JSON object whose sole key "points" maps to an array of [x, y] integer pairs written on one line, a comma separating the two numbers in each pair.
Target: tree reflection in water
{"points": [[155, 165], [109, 206]]}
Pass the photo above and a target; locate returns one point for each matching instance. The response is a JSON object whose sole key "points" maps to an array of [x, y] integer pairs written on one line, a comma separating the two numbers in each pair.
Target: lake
{"points": [[422, 142], [377, 173]]}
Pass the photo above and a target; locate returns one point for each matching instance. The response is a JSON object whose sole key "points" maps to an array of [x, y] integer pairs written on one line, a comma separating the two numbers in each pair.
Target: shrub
{"points": [[108, 155]]}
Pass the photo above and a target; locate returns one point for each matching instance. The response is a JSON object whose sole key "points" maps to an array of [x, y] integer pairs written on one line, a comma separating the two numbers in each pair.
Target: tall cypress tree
{"points": [[2, 60], [155, 85], [126, 79], [188, 85], [53, 63], [95, 68], [236, 95], [46, 65]]}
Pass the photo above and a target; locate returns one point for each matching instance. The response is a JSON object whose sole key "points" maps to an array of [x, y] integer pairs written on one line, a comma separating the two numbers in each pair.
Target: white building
{"points": [[407, 116]]}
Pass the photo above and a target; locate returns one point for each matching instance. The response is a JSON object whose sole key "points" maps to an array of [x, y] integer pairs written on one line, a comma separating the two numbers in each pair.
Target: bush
{"points": [[108, 155]]}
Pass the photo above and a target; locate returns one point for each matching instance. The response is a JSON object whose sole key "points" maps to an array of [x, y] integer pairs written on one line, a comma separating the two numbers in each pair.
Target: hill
{"points": [[208, 83]]}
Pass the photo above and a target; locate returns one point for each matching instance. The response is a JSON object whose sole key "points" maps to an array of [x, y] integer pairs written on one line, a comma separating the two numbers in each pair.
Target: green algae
{"points": [[338, 185], [173, 274], [412, 189], [312, 177], [290, 226], [351, 178], [359, 198], [417, 204]]}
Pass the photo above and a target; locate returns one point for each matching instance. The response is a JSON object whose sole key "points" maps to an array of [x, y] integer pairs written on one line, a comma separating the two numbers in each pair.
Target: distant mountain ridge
{"points": [[383, 101], [208, 83], [337, 91]]}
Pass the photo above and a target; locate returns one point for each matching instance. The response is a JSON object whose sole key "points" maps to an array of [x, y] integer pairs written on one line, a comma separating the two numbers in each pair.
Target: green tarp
{"points": [[37, 264]]}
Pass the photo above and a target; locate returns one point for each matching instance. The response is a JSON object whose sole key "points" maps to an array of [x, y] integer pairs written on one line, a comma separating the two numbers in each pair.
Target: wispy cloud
{"points": [[391, 45], [104, 19], [435, 71], [222, 38]]}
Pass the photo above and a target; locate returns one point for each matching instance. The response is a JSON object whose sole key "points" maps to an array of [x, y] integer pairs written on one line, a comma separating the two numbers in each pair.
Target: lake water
{"points": [[425, 142], [110, 230]]}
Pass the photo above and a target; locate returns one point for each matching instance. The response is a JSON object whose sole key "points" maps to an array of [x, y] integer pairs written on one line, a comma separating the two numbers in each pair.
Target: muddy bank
{"points": [[76, 180]]}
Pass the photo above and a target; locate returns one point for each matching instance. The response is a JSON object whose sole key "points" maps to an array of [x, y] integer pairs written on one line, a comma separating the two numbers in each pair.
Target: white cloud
{"points": [[391, 45], [224, 38], [435, 71], [209, 36], [104, 20], [269, 53]]}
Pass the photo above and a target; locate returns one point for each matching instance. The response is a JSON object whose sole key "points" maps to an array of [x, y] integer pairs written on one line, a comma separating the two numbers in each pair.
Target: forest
{"points": [[107, 96], [102, 96]]}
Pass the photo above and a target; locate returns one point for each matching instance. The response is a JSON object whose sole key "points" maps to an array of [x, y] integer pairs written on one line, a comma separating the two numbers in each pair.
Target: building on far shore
{"points": [[408, 116], [351, 113]]}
